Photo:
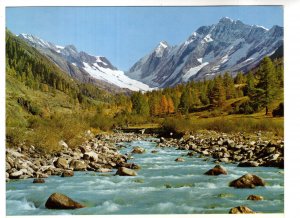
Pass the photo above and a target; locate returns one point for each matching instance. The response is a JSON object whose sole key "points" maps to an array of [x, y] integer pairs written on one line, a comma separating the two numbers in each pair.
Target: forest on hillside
{"points": [[41, 98]]}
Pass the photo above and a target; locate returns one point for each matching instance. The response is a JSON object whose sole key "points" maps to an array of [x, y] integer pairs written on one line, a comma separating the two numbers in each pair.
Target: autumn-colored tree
{"points": [[164, 104], [171, 108]]}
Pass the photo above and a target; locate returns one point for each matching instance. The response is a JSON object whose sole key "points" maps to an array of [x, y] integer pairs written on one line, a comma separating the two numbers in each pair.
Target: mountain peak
{"points": [[162, 46], [71, 48], [225, 20]]}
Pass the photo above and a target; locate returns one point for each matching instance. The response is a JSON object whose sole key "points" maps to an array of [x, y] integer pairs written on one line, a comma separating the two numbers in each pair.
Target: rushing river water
{"points": [[162, 186]]}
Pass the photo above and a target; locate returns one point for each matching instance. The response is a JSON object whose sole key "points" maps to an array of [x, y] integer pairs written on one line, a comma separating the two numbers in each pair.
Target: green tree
{"points": [[268, 83], [140, 104], [240, 78], [229, 86], [185, 100], [218, 94]]}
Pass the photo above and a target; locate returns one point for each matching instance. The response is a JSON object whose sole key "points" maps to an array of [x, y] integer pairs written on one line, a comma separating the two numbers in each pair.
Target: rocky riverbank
{"points": [[248, 150], [100, 154]]}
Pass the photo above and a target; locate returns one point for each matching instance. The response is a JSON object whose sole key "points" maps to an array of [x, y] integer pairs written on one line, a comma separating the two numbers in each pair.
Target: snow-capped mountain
{"points": [[230, 45], [85, 67]]}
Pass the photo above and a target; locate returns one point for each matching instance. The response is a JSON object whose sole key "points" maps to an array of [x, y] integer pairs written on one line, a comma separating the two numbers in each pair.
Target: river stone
{"points": [[154, 151], [92, 156], [83, 149], [247, 181], [67, 173], [16, 175], [8, 166], [63, 144], [217, 170], [131, 166], [240, 209], [179, 159], [123, 171], [224, 159], [138, 150], [78, 165], [38, 180], [61, 163], [255, 197], [104, 170], [60, 201], [248, 164], [270, 150]]}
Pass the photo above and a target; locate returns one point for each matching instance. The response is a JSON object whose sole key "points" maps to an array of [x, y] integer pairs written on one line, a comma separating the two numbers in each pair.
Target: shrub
{"points": [[279, 111]]}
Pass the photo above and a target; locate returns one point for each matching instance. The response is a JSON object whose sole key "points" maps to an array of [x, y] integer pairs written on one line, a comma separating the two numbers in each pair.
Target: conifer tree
{"points": [[229, 86], [218, 92], [268, 83]]}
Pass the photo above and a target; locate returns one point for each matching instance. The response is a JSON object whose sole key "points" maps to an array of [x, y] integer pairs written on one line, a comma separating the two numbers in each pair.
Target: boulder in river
{"points": [[247, 181], [61, 163], [123, 171], [138, 150], [240, 210], [67, 173], [179, 159], [255, 197], [38, 180], [217, 170], [248, 164], [60, 201]]}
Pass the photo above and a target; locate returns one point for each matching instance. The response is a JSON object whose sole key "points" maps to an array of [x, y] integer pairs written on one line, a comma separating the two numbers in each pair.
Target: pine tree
{"points": [[229, 86], [140, 104], [185, 101], [240, 78], [218, 92], [268, 83]]}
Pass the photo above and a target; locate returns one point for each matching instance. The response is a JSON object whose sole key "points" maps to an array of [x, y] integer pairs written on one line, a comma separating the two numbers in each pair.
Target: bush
{"points": [[224, 124], [279, 111]]}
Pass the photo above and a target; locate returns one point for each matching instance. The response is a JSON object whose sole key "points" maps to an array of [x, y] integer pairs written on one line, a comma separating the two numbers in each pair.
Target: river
{"points": [[162, 186]]}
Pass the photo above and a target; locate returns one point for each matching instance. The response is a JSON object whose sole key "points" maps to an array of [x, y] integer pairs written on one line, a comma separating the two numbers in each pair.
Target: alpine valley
{"points": [[194, 128]]}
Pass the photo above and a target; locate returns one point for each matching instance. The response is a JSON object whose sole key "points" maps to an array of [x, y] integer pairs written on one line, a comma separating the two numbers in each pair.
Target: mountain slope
{"points": [[226, 46], [84, 67]]}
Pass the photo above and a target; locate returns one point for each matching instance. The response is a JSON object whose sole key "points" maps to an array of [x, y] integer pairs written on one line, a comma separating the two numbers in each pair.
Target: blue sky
{"points": [[125, 34]]}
